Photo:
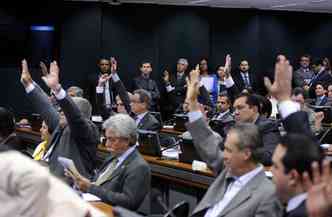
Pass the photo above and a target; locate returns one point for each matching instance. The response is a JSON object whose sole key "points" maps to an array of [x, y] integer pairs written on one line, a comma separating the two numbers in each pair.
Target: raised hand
{"points": [[25, 74], [228, 65], [166, 76], [193, 85], [114, 65], [43, 68], [103, 78], [51, 79], [282, 87], [319, 189]]}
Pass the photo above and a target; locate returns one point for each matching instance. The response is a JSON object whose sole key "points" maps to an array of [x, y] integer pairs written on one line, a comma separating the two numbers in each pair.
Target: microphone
{"points": [[156, 195]]}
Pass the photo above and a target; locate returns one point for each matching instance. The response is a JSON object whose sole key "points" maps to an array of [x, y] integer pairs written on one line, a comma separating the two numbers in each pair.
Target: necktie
{"points": [[107, 172], [246, 80]]}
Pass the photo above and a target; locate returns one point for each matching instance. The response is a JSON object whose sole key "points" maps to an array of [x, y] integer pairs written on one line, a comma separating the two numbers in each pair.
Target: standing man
{"points": [[245, 79], [144, 81], [304, 74]]}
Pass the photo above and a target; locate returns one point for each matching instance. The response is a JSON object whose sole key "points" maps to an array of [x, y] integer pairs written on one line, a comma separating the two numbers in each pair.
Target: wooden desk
{"points": [[170, 131], [107, 209], [174, 171]]}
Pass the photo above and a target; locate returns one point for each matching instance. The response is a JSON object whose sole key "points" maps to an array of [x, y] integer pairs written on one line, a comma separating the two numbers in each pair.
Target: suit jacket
{"points": [[128, 185], [77, 141], [231, 92], [149, 122], [149, 85], [322, 102], [270, 136], [300, 76], [118, 88], [91, 95], [38, 193], [257, 198], [300, 211], [254, 81]]}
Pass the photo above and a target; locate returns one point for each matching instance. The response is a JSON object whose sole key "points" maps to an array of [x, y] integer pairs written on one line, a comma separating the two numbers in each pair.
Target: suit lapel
{"points": [[143, 120], [122, 167], [244, 194]]}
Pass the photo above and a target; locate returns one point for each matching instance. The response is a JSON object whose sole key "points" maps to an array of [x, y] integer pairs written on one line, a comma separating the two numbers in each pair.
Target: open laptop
{"points": [[188, 152], [149, 143]]}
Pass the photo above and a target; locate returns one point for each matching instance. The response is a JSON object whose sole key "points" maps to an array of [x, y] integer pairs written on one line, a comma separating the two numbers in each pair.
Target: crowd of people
{"points": [[277, 124]]}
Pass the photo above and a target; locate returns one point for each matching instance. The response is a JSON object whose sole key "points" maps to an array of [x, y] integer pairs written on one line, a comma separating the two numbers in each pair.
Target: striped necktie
{"points": [[107, 172]]}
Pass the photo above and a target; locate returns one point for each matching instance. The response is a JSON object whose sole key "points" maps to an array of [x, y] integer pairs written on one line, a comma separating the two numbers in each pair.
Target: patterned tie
{"points": [[107, 172]]}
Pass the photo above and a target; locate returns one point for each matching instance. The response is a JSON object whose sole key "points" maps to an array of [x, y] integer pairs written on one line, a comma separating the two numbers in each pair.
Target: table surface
{"points": [[104, 207]]}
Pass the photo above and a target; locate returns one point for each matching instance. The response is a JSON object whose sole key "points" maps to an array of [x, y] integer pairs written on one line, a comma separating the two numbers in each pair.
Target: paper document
{"points": [[69, 165], [90, 197]]}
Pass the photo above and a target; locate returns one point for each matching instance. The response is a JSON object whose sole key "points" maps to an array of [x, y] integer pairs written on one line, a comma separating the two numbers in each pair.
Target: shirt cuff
{"points": [[169, 88], [229, 82], [288, 107], [60, 95], [99, 89], [115, 77], [194, 116], [30, 88]]}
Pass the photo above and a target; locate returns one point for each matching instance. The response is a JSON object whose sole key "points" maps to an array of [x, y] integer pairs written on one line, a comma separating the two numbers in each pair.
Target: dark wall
{"points": [[162, 34]]}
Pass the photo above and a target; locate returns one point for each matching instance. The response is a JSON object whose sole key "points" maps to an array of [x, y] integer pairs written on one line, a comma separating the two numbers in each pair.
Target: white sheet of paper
{"points": [[207, 82], [68, 164], [90, 197]]}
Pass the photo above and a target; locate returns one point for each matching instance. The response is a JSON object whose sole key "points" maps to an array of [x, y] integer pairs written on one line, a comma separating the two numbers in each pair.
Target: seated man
{"points": [[140, 103], [241, 187], [320, 93], [297, 150], [247, 110], [74, 135], [124, 178]]}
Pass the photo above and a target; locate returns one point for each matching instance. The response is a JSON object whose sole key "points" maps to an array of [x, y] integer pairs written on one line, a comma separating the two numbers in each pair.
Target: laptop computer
{"points": [[188, 152], [149, 143]]}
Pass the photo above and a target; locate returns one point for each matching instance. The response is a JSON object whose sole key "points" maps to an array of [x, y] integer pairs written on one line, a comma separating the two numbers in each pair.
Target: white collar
{"points": [[124, 155], [222, 114], [244, 179], [140, 116], [296, 201]]}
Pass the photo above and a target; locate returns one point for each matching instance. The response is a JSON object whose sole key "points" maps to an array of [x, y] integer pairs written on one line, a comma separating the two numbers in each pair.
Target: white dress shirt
{"points": [[232, 190], [295, 202]]}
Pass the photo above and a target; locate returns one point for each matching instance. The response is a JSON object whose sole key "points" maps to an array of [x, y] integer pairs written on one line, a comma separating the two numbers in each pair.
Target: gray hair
{"points": [[249, 137], [144, 96], [77, 91], [84, 106], [123, 126]]}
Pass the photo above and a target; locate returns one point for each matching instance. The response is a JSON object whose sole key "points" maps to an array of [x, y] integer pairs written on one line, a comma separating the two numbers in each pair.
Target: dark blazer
{"points": [[128, 185], [78, 140], [150, 85], [254, 81], [324, 77], [231, 92], [149, 122], [91, 95], [257, 198], [270, 136], [323, 102], [300, 211], [119, 88]]}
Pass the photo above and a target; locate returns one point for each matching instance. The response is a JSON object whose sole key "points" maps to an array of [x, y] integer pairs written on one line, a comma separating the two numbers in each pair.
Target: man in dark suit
{"points": [[74, 135], [321, 98], [140, 103], [303, 75], [246, 80], [297, 150], [8, 136], [241, 187], [321, 76], [223, 119], [124, 178], [106, 66], [247, 110], [144, 81]]}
